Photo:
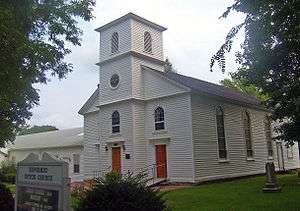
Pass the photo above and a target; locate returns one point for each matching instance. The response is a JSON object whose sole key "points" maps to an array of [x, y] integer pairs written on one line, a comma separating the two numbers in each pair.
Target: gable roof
{"points": [[50, 139], [204, 87], [132, 16], [94, 97]]}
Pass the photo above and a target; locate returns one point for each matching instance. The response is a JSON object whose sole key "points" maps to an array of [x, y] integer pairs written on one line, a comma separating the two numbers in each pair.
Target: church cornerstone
{"points": [[42, 184]]}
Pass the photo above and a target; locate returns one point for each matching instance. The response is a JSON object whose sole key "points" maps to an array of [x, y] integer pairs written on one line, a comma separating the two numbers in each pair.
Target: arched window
{"points": [[115, 121], [159, 117], [221, 133], [114, 42], [247, 133], [268, 132], [147, 42]]}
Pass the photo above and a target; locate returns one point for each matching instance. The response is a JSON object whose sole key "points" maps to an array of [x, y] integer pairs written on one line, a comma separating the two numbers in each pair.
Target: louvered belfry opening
{"points": [[115, 42], [147, 42]]}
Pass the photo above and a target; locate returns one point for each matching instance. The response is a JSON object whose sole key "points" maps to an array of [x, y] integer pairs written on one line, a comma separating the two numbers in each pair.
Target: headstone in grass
{"points": [[271, 183]]}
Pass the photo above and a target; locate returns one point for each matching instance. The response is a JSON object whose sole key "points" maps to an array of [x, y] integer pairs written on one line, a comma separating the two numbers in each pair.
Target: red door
{"points": [[161, 161], [116, 159]]}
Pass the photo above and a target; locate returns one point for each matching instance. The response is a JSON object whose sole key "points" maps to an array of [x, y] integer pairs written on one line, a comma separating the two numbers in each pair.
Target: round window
{"points": [[114, 80]]}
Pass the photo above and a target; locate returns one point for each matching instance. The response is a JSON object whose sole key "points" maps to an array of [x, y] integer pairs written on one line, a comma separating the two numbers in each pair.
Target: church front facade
{"points": [[142, 118]]}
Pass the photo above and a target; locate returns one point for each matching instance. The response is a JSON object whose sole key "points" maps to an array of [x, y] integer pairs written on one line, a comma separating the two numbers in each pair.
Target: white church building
{"points": [[142, 118]]}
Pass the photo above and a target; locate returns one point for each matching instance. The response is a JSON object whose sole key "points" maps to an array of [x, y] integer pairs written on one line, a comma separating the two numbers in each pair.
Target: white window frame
{"points": [[159, 121], [268, 135], [76, 157], [247, 113], [114, 43], [115, 125], [148, 42], [225, 142]]}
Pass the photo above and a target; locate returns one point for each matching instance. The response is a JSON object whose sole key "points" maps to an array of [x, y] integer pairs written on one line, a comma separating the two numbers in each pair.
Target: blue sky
{"points": [[194, 34]]}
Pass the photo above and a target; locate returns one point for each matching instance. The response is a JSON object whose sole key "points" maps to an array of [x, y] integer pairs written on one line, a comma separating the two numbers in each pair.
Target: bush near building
{"points": [[117, 193], [8, 171]]}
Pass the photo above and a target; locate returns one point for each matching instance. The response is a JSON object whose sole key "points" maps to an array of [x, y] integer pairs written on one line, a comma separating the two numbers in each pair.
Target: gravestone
{"points": [[271, 184], [42, 184]]}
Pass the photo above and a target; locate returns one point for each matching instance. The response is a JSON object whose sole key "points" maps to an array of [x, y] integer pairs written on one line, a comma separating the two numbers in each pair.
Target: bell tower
{"points": [[125, 44]]}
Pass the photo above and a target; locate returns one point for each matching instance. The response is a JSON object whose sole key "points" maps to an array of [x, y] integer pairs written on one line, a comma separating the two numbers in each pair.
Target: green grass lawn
{"points": [[242, 194]]}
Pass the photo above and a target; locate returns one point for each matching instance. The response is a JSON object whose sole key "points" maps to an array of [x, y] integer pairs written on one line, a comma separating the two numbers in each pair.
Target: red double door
{"points": [[161, 161]]}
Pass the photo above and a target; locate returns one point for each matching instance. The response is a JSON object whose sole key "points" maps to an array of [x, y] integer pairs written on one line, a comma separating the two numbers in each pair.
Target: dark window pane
{"points": [[221, 133], [159, 126], [76, 168], [115, 42], [115, 129], [147, 42], [249, 153], [223, 154]]}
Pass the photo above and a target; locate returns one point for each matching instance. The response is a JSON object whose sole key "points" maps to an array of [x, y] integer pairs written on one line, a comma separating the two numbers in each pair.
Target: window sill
{"points": [[112, 135], [146, 52], [270, 158], [250, 159], [160, 132], [114, 53], [76, 173], [224, 161]]}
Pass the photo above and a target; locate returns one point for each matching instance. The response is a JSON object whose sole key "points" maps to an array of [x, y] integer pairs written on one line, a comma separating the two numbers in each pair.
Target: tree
{"points": [[241, 86], [37, 129], [33, 37], [117, 192], [270, 59], [168, 66]]}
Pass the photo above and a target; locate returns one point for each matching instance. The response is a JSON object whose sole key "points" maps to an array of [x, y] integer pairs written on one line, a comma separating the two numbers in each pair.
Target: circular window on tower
{"points": [[114, 80]]}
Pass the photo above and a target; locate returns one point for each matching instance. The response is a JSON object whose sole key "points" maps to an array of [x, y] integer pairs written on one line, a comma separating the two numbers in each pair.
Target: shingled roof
{"points": [[197, 85]]}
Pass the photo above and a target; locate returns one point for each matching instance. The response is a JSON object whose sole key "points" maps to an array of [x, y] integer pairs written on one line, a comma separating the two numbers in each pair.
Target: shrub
{"points": [[6, 198], [114, 192], [8, 171]]}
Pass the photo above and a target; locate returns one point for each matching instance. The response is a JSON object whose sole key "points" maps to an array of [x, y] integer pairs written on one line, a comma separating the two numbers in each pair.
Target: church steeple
{"points": [[125, 44], [130, 33]]}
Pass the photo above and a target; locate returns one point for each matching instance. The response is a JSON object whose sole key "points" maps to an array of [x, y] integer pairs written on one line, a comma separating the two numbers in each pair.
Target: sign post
{"points": [[42, 184]]}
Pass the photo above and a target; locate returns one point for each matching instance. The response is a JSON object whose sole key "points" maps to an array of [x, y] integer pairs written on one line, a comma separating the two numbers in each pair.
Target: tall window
{"points": [[247, 131], [289, 152], [221, 133], [76, 163], [114, 42], [159, 116], [147, 42], [115, 121], [268, 132]]}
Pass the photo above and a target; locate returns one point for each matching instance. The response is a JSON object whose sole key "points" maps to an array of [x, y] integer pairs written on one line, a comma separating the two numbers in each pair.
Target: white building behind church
{"points": [[181, 128], [64, 144]]}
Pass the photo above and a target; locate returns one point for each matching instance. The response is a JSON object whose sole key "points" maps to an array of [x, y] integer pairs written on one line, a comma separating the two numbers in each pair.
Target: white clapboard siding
{"points": [[125, 111], [178, 129], [123, 68], [207, 163], [139, 142], [138, 30], [138, 84], [124, 31], [155, 85], [91, 139]]}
